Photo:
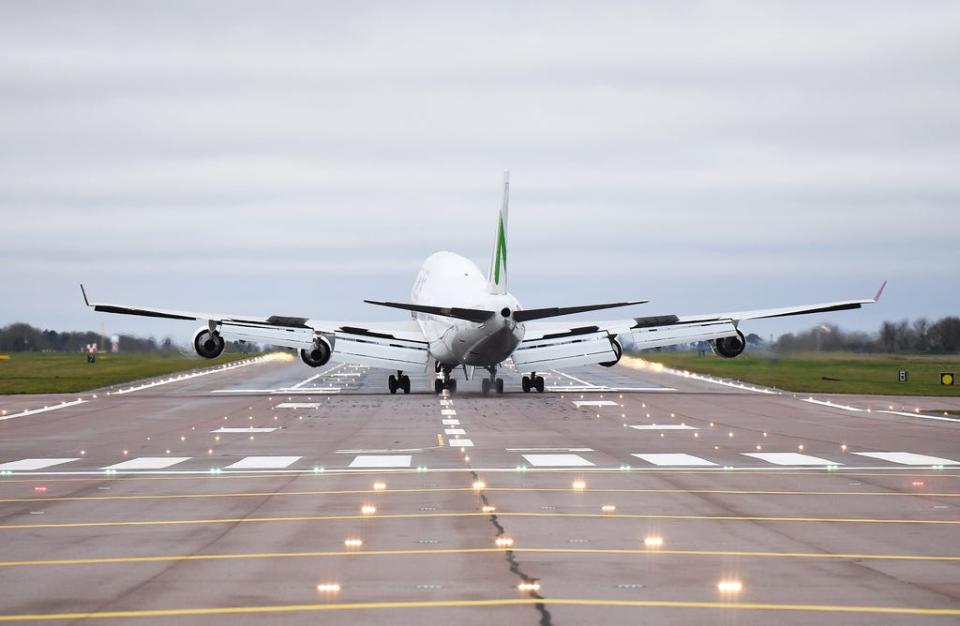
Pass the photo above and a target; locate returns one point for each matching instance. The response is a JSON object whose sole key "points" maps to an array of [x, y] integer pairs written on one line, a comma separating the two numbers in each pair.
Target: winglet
{"points": [[84, 292], [876, 298]]}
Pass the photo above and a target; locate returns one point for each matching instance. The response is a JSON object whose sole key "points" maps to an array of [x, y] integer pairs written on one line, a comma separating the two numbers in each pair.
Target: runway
{"points": [[271, 491]]}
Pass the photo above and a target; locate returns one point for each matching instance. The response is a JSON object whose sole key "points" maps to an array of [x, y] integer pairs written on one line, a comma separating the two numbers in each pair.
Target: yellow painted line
{"points": [[462, 551], [495, 602], [439, 439], [398, 516], [259, 494]]}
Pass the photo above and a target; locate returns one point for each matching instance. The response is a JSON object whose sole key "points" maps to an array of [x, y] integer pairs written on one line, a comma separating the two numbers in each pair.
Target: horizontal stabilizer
{"points": [[556, 311], [471, 315]]}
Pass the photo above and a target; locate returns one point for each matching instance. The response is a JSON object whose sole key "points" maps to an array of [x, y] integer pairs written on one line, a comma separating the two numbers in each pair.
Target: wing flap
{"points": [[662, 336], [569, 351], [379, 351]]}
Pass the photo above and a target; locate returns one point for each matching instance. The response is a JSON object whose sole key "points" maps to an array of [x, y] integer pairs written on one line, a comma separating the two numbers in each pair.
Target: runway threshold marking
{"points": [[455, 514], [493, 602], [461, 551], [421, 490]]}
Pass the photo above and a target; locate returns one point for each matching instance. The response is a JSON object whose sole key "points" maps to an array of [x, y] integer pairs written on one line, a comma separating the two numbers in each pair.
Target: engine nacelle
{"points": [[207, 344], [318, 355], [730, 347], [617, 350]]}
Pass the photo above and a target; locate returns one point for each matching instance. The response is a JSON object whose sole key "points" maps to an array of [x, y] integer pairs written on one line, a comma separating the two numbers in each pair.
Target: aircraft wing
{"points": [[549, 344], [388, 345]]}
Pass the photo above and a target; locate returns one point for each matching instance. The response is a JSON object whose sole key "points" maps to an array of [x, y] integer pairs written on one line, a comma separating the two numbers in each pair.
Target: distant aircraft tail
{"points": [[497, 279]]}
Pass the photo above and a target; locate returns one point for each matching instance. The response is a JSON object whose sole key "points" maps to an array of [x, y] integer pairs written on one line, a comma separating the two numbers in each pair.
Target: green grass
{"points": [[62, 372], [825, 373]]}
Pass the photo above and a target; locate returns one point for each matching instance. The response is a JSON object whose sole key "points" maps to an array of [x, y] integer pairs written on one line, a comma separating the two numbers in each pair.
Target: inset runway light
{"points": [[328, 587], [653, 541], [730, 434], [579, 484], [216, 438], [711, 424], [317, 469], [379, 485], [918, 483], [83, 452], [368, 509], [504, 542], [759, 447], [843, 447], [479, 485], [696, 435], [125, 452], [353, 542], [209, 450], [168, 451], [182, 438], [529, 586], [487, 508], [673, 415], [729, 586], [466, 458], [800, 447], [764, 434], [40, 489], [608, 508]]}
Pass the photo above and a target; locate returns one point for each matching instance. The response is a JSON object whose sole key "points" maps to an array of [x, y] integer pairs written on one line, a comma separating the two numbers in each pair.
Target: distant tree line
{"points": [[20, 337], [918, 337]]}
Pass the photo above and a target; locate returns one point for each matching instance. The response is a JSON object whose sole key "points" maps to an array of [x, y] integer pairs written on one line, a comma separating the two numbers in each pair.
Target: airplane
{"points": [[460, 318]]}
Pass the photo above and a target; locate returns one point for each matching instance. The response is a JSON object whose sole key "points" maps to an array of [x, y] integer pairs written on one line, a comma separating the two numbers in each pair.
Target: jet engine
{"points": [[318, 355], [729, 347], [208, 344], [617, 350]]}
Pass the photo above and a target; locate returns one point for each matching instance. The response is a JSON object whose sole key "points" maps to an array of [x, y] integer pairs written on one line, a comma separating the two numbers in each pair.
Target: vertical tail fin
{"points": [[497, 279]]}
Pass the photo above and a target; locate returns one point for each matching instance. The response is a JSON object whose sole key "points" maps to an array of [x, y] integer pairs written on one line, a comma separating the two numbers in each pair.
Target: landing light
{"points": [[608, 508], [729, 586], [487, 508], [328, 587], [353, 542], [504, 542], [379, 486], [479, 485], [653, 541], [368, 509], [529, 586], [579, 485]]}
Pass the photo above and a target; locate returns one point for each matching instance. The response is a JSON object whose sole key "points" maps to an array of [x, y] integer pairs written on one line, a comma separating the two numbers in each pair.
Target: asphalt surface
{"points": [[227, 498]]}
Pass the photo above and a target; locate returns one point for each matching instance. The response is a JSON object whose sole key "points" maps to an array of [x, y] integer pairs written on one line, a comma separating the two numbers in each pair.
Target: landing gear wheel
{"points": [[525, 383], [452, 386], [392, 383], [538, 382], [500, 385], [485, 386], [405, 383], [437, 386]]}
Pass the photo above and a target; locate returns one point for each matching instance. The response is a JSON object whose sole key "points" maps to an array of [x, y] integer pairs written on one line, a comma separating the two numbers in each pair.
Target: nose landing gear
{"points": [[446, 382], [401, 381], [491, 383], [532, 382]]}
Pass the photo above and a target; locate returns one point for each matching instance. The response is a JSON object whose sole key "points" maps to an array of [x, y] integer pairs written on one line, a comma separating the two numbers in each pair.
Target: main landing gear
{"points": [[400, 381], [491, 383], [446, 382], [532, 382]]}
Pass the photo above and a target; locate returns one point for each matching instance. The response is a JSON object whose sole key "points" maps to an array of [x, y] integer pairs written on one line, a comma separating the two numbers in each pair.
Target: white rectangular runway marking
{"points": [[148, 463], [251, 429], [549, 449], [264, 462], [908, 458], [52, 407], [451, 422], [454, 431], [391, 460], [557, 460], [790, 458], [448, 412], [33, 464], [583, 403], [673, 459], [460, 443], [661, 427], [445, 403], [298, 405]]}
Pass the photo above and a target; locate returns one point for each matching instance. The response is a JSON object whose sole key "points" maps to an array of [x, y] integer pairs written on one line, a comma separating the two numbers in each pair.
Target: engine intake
{"points": [[207, 344], [318, 355], [730, 347], [617, 350]]}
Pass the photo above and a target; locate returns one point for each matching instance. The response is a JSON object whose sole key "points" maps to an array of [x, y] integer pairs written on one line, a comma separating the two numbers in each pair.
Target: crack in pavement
{"points": [[545, 617]]}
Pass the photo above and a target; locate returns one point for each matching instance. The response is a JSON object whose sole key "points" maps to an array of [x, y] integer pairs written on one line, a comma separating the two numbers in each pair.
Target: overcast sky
{"points": [[297, 157]]}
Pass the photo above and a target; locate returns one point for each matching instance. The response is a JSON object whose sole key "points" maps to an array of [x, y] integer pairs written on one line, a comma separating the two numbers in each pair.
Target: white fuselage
{"points": [[449, 280]]}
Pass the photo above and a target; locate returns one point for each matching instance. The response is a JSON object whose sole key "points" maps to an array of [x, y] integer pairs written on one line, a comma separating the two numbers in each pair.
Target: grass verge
{"points": [[69, 372], [825, 373]]}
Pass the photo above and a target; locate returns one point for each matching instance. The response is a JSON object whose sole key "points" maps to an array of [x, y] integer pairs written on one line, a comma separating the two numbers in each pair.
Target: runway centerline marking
{"points": [[460, 443]]}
